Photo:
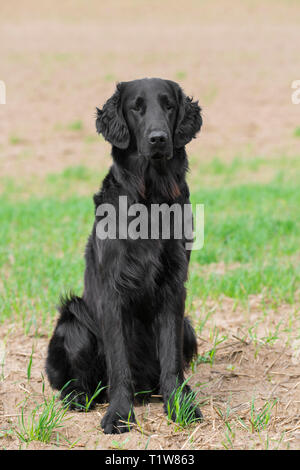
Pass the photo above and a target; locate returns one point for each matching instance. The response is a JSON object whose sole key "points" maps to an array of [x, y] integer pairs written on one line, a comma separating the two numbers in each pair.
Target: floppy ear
{"points": [[189, 120], [110, 121]]}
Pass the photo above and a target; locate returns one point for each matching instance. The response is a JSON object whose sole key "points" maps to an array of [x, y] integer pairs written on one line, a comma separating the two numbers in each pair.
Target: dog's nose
{"points": [[158, 138]]}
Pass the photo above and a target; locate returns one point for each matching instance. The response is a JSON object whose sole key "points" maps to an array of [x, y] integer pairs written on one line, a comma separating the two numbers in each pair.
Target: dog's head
{"points": [[152, 116]]}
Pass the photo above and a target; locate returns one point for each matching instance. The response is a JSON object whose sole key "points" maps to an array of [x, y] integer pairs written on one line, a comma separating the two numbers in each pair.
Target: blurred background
{"points": [[61, 59]]}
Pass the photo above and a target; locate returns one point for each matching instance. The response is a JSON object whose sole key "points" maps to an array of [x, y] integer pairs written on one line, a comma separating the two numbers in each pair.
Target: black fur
{"points": [[128, 329]]}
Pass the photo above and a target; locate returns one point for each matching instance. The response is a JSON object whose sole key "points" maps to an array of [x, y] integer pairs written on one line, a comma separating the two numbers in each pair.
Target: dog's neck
{"points": [[144, 182]]}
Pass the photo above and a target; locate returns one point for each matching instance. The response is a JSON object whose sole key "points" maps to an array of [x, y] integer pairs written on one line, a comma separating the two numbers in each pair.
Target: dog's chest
{"points": [[146, 267]]}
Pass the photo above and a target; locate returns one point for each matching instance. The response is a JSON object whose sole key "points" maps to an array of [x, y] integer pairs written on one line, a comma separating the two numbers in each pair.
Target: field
{"points": [[59, 61]]}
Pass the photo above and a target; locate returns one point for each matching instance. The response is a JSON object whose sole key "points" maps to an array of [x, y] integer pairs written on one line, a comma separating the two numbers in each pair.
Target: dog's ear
{"points": [[110, 121], [189, 120]]}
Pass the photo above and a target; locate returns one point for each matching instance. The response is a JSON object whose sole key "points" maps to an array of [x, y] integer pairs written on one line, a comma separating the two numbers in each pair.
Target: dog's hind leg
{"points": [[75, 365], [189, 343]]}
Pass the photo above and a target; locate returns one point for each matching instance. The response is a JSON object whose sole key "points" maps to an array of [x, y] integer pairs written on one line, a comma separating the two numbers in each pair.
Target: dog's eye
{"points": [[169, 106], [138, 105]]}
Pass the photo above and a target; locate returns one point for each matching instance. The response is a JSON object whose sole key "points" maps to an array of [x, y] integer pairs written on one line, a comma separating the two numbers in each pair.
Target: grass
{"points": [[209, 356], [256, 228], [119, 445], [243, 167], [92, 139], [249, 223], [43, 421], [41, 250], [180, 75], [259, 418], [30, 364], [297, 132], [110, 77], [75, 126], [15, 140], [88, 402], [258, 421], [182, 406], [75, 173]]}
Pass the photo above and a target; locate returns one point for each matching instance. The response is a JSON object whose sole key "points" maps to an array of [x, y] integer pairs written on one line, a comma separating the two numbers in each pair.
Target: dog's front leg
{"points": [[170, 349], [120, 411], [171, 356]]}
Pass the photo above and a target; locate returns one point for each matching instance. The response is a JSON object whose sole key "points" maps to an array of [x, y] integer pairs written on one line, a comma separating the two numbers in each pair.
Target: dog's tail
{"points": [[72, 345], [72, 305], [189, 343]]}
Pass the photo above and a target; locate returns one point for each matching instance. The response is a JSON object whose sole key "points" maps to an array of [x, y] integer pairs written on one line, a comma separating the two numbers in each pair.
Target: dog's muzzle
{"points": [[159, 146]]}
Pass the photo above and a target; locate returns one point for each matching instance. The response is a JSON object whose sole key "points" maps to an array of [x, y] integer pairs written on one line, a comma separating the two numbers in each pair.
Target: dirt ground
{"points": [[59, 61], [242, 370]]}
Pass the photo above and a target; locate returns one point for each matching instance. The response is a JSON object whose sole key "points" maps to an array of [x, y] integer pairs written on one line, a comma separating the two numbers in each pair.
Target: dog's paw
{"points": [[118, 419]]}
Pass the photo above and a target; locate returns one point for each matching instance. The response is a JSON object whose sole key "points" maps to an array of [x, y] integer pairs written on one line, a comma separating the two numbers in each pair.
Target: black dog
{"points": [[128, 329]]}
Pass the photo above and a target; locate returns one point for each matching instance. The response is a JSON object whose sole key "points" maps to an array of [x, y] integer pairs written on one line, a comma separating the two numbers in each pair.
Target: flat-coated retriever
{"points": [[128, 330]]}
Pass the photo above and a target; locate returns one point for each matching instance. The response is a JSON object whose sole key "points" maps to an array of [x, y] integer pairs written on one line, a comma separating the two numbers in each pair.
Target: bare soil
{"points": [[243, 370]]}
